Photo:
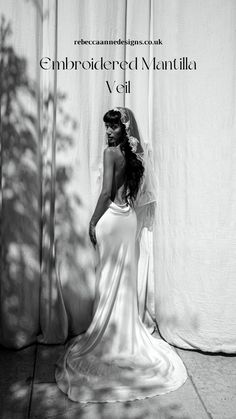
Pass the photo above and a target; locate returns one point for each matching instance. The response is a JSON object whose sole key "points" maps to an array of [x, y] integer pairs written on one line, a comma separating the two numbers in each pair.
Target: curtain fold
{"points": [[52, 144], [53, 316]]}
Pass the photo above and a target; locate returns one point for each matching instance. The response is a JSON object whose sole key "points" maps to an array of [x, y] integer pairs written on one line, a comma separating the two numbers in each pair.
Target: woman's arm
{"points": [[105, 195]]}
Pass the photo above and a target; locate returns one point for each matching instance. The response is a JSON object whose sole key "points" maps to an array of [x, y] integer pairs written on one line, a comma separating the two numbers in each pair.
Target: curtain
{"points": [[52, 140]]}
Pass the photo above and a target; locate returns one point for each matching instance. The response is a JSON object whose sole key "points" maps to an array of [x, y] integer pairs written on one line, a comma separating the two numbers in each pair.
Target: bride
{"points": [[117, 359]]}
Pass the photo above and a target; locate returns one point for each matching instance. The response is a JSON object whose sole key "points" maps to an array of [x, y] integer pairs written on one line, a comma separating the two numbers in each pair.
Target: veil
{"points": [[146, 200], [145, 207]]}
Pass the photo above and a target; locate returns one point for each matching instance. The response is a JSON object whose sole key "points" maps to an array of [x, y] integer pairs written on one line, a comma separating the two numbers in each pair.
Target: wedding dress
{"points": [[117, 359]]}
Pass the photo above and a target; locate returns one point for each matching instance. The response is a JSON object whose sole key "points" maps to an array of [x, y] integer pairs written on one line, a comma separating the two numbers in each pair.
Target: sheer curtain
{"points": [[52, 143]]}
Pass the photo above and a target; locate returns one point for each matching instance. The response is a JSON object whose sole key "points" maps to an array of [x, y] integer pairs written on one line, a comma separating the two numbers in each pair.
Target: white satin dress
{"points": [[117, 359]]}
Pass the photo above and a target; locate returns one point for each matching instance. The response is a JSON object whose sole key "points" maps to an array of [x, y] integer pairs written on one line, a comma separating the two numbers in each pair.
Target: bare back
{"points": [[118, 176]]}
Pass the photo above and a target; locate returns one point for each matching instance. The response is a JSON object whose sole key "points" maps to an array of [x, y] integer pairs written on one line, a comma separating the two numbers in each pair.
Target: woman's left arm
{"points": [[105, 195]]}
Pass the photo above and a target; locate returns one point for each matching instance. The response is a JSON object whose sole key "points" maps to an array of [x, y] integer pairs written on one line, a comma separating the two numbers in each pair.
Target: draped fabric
{"points": [[52, 140]]}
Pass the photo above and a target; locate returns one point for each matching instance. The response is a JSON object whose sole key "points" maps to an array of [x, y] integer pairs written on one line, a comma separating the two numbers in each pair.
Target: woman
{"points": [[117, 359]]}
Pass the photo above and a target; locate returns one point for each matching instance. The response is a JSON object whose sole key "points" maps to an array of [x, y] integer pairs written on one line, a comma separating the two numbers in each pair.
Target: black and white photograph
{"points": [[118, 209]]}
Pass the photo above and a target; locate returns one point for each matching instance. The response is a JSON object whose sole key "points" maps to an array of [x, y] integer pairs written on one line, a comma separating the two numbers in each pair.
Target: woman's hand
{"points": [[92, 233]]}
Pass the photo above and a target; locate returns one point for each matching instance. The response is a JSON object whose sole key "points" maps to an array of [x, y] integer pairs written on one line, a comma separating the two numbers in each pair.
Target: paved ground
{"points": [[28, 390]]}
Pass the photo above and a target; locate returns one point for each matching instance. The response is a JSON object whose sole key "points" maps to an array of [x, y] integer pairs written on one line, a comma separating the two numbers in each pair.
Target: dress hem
{"points": [[125, 399]]}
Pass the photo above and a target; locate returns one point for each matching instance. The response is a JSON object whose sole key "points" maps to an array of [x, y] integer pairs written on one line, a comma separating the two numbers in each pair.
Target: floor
{"points": [[28, 390]]}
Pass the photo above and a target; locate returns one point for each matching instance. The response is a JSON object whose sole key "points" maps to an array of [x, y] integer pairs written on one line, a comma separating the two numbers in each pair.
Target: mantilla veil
{"points": [[146, 201], [145, 207]]}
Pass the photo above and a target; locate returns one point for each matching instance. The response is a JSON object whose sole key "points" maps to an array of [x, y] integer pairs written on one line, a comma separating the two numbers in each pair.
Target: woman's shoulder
{"points": [[110, 154], [111, 151]]}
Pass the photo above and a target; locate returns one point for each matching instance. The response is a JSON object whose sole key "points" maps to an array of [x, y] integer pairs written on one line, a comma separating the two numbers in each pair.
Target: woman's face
{"points": [[113, 132]]}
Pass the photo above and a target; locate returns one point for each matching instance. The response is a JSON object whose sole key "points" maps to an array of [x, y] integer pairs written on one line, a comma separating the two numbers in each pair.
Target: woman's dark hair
{"points": [[134, 169]]}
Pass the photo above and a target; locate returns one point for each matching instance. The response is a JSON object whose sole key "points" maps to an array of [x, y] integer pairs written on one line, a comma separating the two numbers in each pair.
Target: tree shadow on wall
{"points": [[20, 215], [21, 222]]}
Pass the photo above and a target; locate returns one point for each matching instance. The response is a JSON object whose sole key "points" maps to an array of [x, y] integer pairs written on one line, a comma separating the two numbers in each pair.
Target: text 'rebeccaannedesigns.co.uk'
{"points": [[119, 41]]}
